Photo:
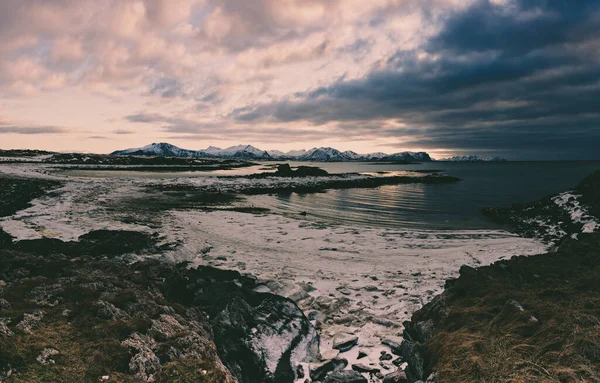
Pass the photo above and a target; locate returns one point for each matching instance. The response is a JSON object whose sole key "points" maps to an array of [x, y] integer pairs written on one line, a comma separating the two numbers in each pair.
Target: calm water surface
{"points": [[452, 206]]}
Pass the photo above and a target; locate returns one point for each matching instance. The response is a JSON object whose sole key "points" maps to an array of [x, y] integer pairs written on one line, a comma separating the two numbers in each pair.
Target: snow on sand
{"points": [[351, 280]]}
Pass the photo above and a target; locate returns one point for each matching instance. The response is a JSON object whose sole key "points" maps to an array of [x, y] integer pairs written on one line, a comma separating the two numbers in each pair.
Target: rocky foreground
{"points": [[527, 319], [81, 311]]}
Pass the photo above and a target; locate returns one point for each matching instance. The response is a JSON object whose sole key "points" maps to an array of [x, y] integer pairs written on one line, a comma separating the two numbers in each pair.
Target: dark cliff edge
{"points": [[101, 309], [527, 319]]}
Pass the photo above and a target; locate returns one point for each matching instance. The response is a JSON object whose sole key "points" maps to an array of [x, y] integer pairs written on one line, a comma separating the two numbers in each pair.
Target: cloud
{"points": [[520, 76], [31, 130], [477, 75]]}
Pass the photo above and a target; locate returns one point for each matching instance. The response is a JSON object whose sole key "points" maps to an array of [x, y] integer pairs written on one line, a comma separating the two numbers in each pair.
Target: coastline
{"points": [[349, 281]]}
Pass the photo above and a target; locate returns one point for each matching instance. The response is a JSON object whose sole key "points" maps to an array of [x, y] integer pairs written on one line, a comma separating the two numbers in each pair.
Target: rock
{"points": [[165, 327], [140, 342], [45, 357], [263, 289], [299, 371], [344, 290], [359, 367], [413, 354], [319, 370], [191, 346], [398, 361], [105, 378], [144, 365], [393, 345], [4, 305], [361, 354], [30, 321], [396, 377], [346, 376], [66, 313], [4, 330], [107, 310], [2, 284], [261, 320], [329, 354], [344, 342], [420, 331], [385, 356]]}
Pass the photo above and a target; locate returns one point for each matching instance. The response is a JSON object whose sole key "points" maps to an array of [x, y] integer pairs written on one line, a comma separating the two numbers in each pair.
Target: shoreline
{"points": [[350, 281]]}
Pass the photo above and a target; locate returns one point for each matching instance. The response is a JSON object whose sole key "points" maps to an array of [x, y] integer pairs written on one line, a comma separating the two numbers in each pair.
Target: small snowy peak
{"points": [[323, 154], [349, 154], [295, 153], [276, 154], [473, 159], [375, 156]]}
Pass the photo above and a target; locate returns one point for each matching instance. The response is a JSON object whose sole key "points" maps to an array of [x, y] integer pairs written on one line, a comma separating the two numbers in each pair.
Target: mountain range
{"points": [[253, 153]]}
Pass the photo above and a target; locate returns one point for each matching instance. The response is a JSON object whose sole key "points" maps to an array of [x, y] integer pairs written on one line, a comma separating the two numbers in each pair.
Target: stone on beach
{"points": [[344, 342], [346, 376]]}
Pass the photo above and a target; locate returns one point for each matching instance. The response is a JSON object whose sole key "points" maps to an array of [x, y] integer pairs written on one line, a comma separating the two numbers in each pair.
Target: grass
{"points": [[482, 340]]}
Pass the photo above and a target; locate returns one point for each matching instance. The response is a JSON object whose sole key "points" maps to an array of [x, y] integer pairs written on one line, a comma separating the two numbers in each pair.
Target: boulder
{"points": [[393, 345], [145, 365], [319, 370], [396, 377], [165, 327], [359, 367], [30, 321], [345, 376], [107, 310], [344, 342]]}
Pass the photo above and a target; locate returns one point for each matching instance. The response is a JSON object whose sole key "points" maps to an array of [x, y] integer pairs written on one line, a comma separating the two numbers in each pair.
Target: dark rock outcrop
{"points": [[285, 170]]}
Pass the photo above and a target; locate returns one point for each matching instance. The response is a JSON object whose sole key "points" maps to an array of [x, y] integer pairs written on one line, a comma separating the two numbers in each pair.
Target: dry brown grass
{"points": [[481, 341]]}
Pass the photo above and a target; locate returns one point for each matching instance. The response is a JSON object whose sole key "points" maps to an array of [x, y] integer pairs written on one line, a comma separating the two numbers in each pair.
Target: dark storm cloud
{"points": [[518, 78]]}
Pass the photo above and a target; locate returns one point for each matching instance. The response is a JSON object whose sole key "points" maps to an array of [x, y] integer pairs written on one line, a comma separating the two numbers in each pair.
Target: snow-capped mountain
{"points": [[323, 154], [473, 159], [253, 153], [161, 149]]}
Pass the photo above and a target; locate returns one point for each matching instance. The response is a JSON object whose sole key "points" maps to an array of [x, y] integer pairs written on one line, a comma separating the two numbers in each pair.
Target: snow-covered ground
{"points": [[579, 214], [349, 279]]}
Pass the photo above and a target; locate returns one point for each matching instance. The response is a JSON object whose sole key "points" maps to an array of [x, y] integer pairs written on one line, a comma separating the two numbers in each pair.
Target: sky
{"points": [[518, 79]]}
